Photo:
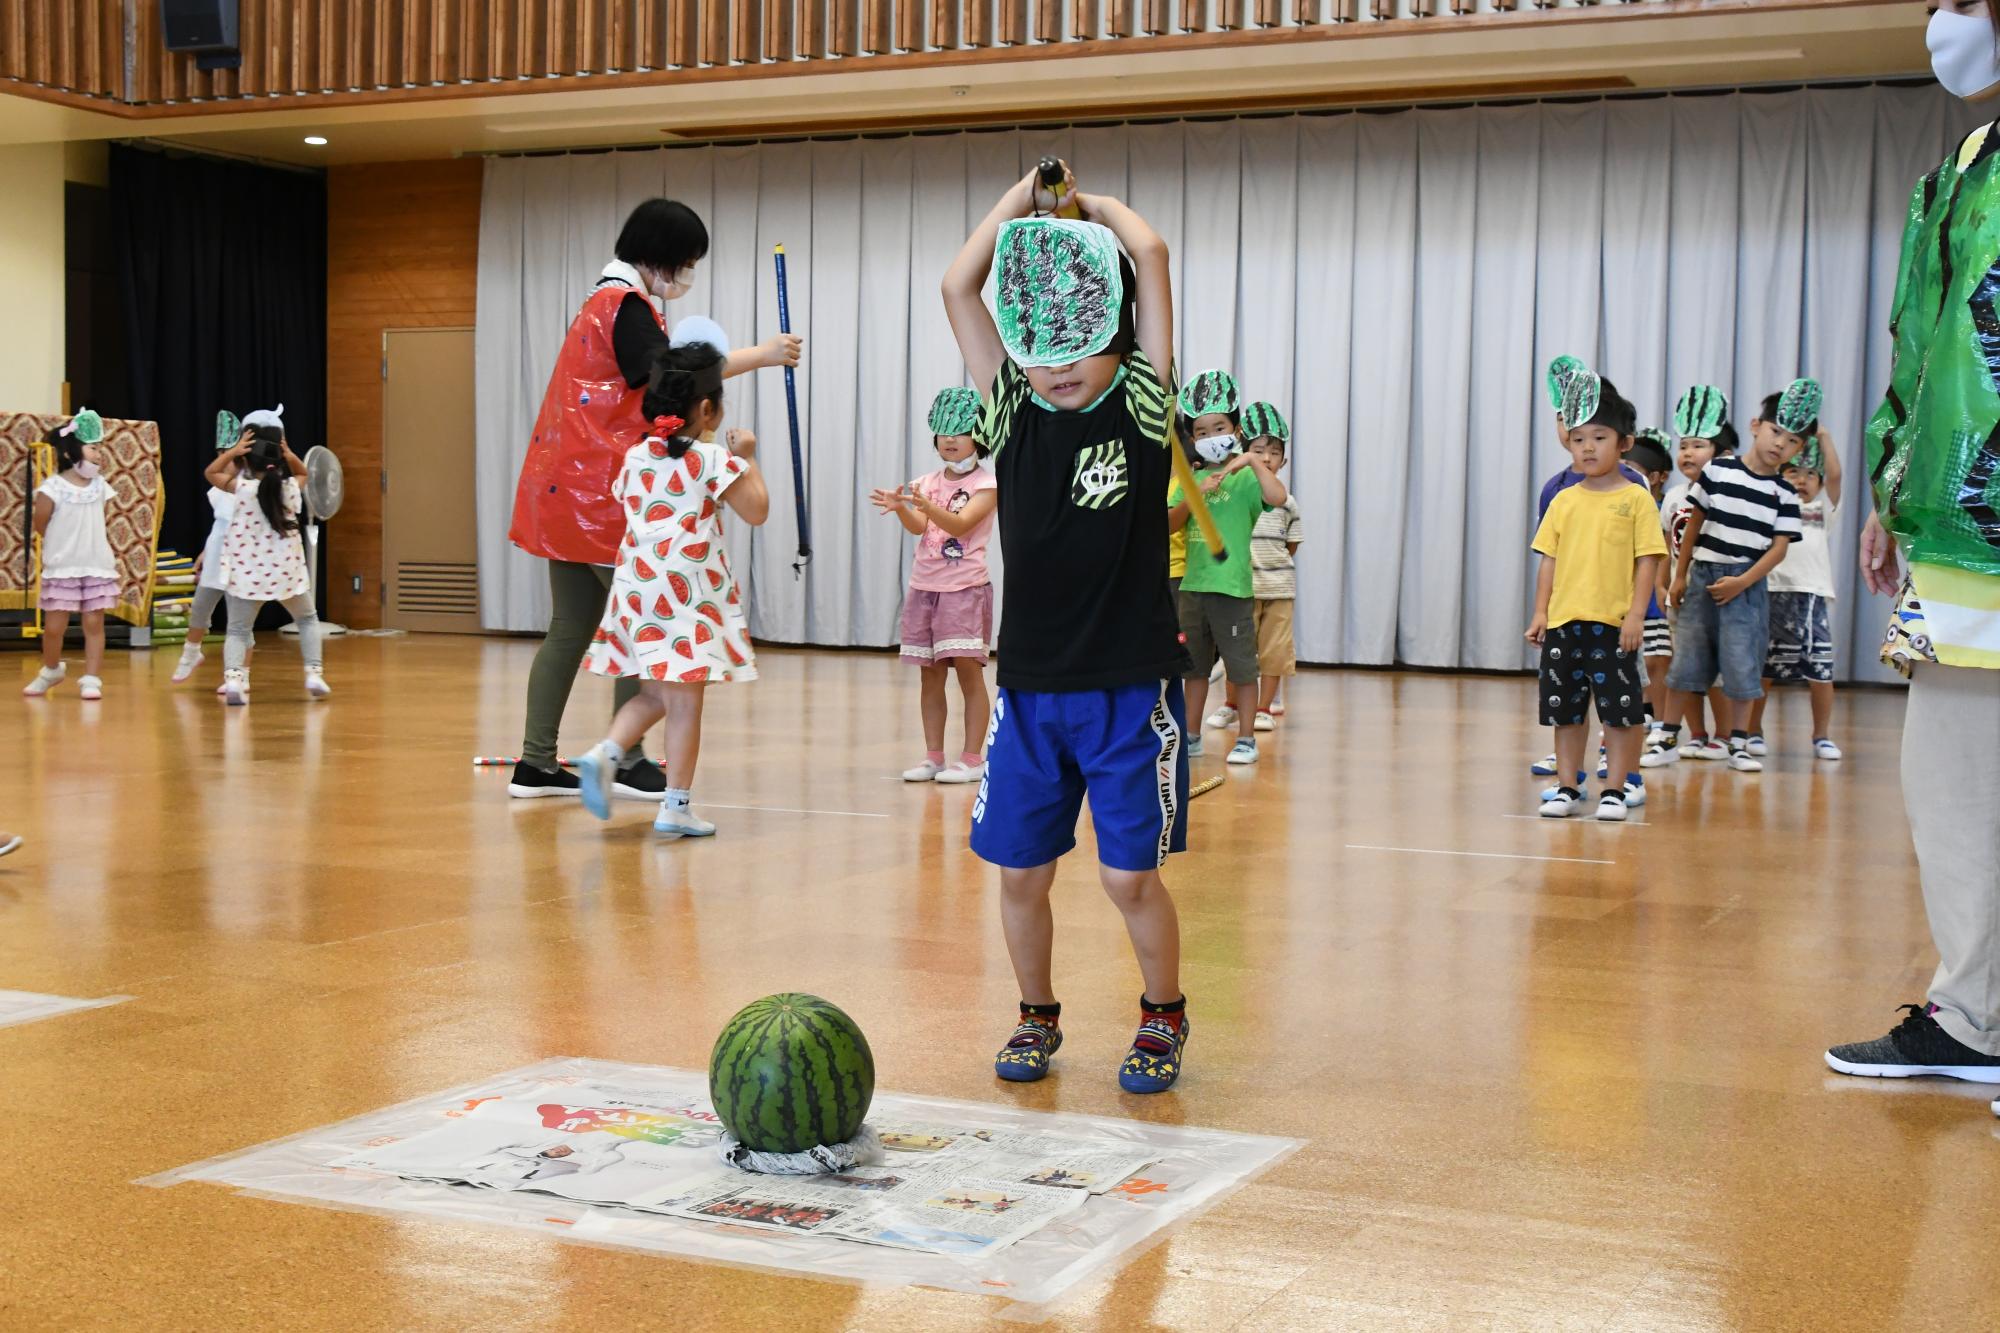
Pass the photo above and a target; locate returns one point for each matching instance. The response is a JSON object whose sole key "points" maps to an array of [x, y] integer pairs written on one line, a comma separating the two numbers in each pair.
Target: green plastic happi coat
{"points": [[1933, 447]]}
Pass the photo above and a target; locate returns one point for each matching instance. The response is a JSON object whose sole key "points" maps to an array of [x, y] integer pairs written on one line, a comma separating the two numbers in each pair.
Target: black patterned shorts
{"points": [[1582, 661]]}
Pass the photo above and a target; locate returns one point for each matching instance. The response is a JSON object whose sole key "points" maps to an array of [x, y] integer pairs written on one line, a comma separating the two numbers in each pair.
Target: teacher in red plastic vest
{"points": [[563, 510]]}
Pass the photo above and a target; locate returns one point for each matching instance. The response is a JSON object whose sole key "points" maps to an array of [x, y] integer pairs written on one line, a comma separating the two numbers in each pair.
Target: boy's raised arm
{"points": [[1155, 316], [971, 322]]}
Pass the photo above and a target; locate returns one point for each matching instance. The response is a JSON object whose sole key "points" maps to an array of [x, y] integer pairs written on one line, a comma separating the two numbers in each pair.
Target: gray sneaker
{"points": [[1916, 1048], [682, 823]]}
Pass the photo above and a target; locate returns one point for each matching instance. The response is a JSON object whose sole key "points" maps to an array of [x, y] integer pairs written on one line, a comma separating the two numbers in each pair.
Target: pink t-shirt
{"points": [[946, 563]]}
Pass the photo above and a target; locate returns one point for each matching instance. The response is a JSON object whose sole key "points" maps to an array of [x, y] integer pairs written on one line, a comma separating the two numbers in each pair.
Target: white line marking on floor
{"points": [[1585, 819], [793, 810], [1489, 856]]}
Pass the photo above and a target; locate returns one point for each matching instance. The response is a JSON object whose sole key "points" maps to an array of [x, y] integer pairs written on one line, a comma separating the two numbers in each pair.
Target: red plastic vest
{"points": [[563, 508]]}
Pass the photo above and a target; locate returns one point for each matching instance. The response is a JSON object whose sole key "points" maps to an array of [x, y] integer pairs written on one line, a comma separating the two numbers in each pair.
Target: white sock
{"points": [[608, 751], [679, 798]]}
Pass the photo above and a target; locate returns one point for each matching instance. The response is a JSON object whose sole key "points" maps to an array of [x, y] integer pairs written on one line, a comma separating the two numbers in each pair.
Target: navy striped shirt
{"points": [[1743, 512]]}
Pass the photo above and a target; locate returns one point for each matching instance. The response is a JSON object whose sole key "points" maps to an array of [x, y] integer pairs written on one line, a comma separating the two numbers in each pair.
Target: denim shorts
{"points": [[1727, 640]]}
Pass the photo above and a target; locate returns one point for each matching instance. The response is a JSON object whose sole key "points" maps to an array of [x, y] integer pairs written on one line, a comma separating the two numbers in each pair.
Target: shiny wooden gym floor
{"points": [[1551, 1076]]}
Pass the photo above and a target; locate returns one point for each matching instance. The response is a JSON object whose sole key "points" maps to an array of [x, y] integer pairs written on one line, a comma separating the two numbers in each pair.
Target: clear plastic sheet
{"points": [[20, 1006], [1097, 1227]]}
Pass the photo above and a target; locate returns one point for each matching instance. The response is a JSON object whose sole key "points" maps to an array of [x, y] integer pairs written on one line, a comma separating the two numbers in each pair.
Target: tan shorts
{"points": [[1275, 654]]}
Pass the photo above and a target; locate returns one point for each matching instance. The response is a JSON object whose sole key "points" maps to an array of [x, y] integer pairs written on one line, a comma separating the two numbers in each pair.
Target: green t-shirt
{"points": [[1236, 507]]}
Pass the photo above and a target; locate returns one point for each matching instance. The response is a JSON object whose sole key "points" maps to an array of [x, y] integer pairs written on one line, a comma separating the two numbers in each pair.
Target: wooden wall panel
{"points": [[402, 251]]}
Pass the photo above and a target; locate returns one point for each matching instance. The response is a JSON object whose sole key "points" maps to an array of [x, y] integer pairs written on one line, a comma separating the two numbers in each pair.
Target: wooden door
{"points": [[430, 543]]}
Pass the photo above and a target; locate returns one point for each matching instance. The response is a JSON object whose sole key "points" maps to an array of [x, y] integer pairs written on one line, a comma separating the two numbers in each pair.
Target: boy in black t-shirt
{"points": [[1079, 399]]}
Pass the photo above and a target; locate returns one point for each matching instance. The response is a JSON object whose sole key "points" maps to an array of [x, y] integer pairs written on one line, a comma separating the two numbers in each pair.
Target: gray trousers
{"points": [[578, 594], [1951, 784], [243, 621]]}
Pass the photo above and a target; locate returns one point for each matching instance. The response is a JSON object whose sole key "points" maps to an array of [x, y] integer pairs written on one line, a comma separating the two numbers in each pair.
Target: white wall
{"points": [[31, 278]]}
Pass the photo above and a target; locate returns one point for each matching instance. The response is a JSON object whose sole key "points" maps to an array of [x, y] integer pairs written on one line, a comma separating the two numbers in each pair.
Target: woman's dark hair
{"points": [[266, 462], [682, 379], [663, 234], [69, 449]]}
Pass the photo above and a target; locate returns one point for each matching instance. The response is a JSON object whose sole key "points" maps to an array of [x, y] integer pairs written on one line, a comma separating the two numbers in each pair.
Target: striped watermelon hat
{"points": [[1561, 371], [1211, 392], [1798, 407], [1263, 421], [954, 411], [1701, 413]]}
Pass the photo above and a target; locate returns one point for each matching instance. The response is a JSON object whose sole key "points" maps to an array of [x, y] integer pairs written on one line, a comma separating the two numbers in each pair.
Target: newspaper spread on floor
{"points": [[946, 1191]]}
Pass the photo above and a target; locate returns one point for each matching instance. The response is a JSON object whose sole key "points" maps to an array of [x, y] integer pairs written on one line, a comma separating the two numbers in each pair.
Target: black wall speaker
{"points": [[199, 25]]}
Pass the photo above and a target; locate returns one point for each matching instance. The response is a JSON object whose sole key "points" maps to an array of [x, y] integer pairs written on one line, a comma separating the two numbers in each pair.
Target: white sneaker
{"points": [[957, 773], [191, 659], [1194, 747], [1611, 808], [1635, 794], [1243, 752], [1709, 749], [1224, 716], [46, 679], [1562, 805], [316, 685], [1278, 708], [1264, 722], [1827, 750], [1660, 756], [1216, 672], [1756, 746], [235, 688], [1742, 761], [682, 823], [924, 772], [90, 689]]}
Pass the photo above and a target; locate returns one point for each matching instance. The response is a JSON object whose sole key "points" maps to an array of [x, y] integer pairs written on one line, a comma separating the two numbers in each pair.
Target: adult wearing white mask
{"points": [[1934, 453], [563, 508]]}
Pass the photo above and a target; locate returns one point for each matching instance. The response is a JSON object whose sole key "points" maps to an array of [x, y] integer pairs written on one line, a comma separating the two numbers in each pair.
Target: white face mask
{"points": [[87, 469], [1216, 449], [673, 288], [958, 467], [1963, 55]]}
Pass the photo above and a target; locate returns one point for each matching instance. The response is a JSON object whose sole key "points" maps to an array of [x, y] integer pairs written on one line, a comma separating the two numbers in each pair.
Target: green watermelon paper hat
{"points": [[1212, 391], [1701, 413], [1809, 458], [86, 425], [1561, 371], [1261, 421], [1798, 408], [1583, 394], [955, 411], [228, 430], [1059, 292]]}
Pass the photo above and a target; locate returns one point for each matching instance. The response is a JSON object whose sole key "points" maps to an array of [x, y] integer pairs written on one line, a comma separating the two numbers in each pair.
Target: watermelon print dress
{"points": [[675, 613]]}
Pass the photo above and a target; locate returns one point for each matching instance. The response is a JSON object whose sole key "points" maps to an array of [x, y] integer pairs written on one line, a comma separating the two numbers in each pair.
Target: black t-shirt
{"points": [[1083, 529], [636, 337]]}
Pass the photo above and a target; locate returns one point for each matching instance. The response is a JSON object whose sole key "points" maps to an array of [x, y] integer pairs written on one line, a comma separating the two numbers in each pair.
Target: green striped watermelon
{"points": [[791, 1072]]}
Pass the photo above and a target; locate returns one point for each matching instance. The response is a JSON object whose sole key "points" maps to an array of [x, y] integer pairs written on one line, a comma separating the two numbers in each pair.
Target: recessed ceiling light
{"points": [[316, 140]]}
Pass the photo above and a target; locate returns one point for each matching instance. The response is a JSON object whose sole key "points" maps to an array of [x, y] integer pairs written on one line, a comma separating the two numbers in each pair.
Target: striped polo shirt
{"points": [[1742, 512]]}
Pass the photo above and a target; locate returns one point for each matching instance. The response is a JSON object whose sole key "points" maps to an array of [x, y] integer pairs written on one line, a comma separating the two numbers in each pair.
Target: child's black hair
{"points": [[1649, 457], [69, 449], [1613, 412], [664, 234], [266, 463], [1127, 338], [682, 378], [1725, 439], [1770, 416]]}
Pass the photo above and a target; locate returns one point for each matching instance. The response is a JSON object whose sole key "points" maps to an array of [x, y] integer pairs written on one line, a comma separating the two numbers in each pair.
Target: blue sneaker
{"points": [[1635, 794], [597, 773], [1154, 1062], [1025, 1058], [1545, 768]]}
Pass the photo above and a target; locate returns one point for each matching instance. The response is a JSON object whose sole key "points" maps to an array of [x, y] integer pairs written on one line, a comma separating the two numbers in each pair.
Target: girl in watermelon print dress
{"points": [[675, 619]]}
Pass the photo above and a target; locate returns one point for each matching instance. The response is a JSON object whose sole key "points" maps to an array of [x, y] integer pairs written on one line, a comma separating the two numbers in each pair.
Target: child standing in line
{"points": [[1701, 419], [1802, 588], [1599, 543], [210, 584], [1741, 519], [1274, 543], [1079, 420], [1563, 372], [948, 611], [675, 618], [263, 555], [79, 570], [1217, 607]]}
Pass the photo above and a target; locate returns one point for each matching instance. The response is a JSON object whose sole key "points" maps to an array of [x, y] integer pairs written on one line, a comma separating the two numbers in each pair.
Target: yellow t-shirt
{"points": [[1597, 539], [1176, 543]]}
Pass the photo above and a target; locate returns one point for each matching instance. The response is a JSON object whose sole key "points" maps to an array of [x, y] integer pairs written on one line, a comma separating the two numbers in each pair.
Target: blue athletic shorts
{"points": [[1045, 752]]}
